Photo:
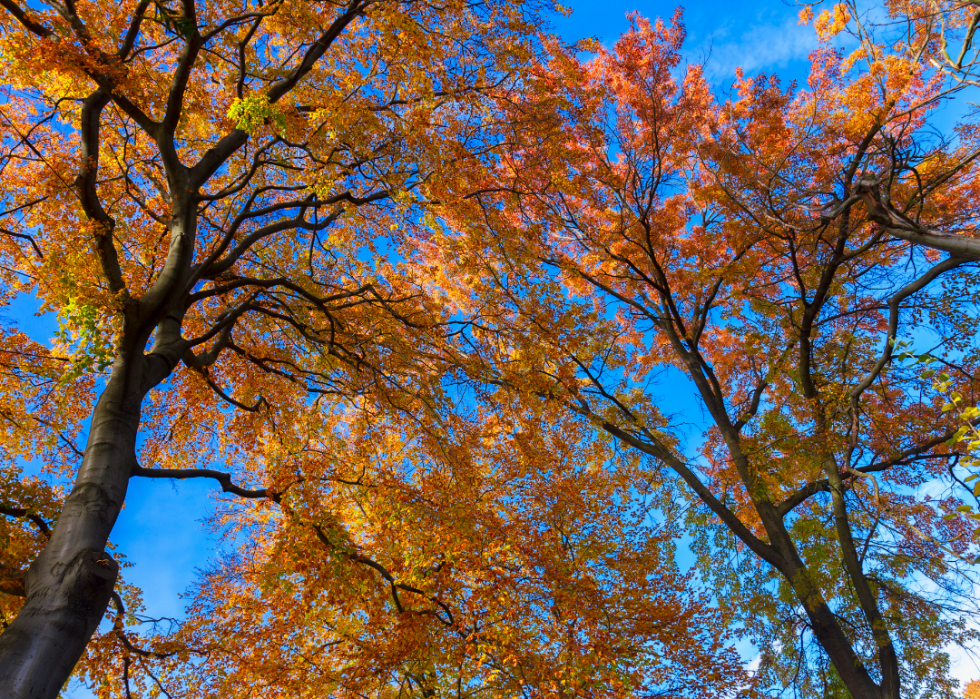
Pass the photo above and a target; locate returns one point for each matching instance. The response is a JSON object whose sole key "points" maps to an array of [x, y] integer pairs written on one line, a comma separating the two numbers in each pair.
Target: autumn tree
{"points": [[802, 260], [207, 194], [223, 203]]}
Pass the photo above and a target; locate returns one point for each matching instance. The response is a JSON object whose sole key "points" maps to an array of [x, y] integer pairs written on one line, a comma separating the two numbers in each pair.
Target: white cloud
{"points": [[763, 47]]}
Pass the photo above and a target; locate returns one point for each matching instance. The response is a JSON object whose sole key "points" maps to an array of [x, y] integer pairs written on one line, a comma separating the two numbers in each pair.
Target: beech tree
{"points": [[188, 183], [408, 272], [221, 202], [802, 259]]}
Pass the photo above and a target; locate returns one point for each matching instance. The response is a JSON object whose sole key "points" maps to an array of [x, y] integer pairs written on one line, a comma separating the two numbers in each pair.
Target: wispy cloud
{"points": [[763, 47]]}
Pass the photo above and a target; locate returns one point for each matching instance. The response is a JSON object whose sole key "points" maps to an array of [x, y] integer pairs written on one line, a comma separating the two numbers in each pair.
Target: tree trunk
{"points": [[69, 585], [826, 629], [828, 633]]}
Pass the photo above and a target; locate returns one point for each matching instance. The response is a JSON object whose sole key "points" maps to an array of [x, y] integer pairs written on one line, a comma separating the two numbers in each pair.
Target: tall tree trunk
{"points": [[823, 623], [69, 585], [826, 629]]}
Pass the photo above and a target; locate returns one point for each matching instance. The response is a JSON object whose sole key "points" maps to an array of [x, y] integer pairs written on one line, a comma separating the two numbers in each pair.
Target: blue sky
{"points": [[758, 35], [161, 529]]}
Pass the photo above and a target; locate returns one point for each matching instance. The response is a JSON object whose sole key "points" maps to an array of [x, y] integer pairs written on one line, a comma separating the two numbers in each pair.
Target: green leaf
{"points": [[253, 111]]}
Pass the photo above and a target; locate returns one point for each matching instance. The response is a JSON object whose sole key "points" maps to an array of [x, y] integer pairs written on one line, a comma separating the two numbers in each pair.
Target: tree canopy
{"points": [[804, 257], [417, 286], [220, 203]]}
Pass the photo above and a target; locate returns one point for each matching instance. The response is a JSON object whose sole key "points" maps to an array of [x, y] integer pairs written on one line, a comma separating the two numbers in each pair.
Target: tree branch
{"points": [[822, 485], [956, 244], [27, 514], [21, 16], [85, 184], [893, 307], [223, 478], [213, 159], [117, 626]]}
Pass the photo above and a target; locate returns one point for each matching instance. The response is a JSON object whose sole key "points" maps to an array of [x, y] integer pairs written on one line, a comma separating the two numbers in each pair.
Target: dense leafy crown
{"points": [[420, 287], [801, 260], [225, 201]]}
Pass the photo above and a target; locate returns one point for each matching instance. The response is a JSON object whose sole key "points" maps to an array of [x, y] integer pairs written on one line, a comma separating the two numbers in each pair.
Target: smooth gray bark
{"points": [[69, 585]]}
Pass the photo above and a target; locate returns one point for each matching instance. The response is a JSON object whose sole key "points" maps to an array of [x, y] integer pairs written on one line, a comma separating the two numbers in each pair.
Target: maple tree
{"points": [[778, 254], [221, 202]]}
